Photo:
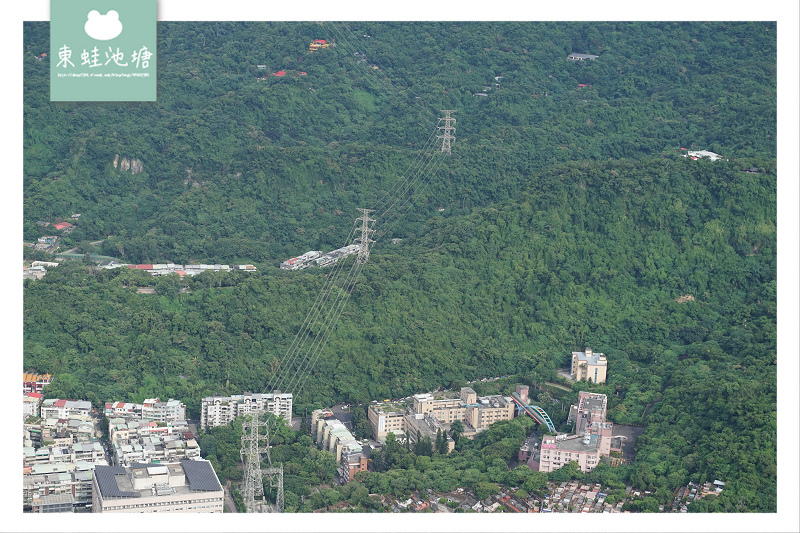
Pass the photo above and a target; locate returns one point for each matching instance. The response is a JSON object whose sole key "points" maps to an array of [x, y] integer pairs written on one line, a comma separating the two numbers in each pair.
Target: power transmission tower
{"points": [[364, 240], [253, 482], [448, 127]]}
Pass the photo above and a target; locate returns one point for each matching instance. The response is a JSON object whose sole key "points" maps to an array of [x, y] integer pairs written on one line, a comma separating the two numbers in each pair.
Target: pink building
{"points": [[560, 450], [591, 440]]}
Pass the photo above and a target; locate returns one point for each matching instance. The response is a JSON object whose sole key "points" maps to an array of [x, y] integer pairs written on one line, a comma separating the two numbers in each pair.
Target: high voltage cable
{"points": [[389, 196], [389, 90], [390, 211], [324, 315], [385, 82], [311, 317]]}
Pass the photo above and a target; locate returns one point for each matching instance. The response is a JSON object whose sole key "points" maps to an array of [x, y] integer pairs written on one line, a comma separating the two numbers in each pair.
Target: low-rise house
{"points": [[695, 155], [122, 428], [167, 449], [34, 272], [581, 57]]}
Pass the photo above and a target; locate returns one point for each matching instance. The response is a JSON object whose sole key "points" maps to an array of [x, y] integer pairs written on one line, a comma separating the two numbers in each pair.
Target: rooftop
{"points": [[575, 444], [138, 481], [590, 357]]}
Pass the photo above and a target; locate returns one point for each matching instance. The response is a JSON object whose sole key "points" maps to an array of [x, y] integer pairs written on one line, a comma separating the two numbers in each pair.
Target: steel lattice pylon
{"points": [[364, 240], [253, 479], [448, 127]]}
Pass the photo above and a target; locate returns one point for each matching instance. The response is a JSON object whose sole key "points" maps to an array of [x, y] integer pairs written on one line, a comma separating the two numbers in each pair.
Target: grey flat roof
{"points": [[200, 475], [575, 445], [107, 482]]}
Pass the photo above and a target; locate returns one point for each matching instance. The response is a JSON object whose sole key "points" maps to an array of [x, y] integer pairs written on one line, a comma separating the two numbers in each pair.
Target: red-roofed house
{"points": [[280, 73], [62, 225], [31, 402], [317, 44]]}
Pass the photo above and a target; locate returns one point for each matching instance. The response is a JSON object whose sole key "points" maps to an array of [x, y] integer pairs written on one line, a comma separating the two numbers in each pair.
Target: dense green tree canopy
{"points": [[564, 218]]}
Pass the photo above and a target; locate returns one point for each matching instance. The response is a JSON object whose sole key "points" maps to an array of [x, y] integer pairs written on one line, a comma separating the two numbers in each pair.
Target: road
{"points": [[342, 413], [229, 499]]}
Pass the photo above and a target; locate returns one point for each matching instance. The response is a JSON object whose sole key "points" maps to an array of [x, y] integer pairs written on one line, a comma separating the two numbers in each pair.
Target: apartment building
{"points": [[190, 486], [120, 428], [353, 461], [152, 409], [477, 413], [559, 450], [31, 404], [155, 449], [591, 440], [41, 482], [332, 435], [589, 416], [221, 410], [589, 366], [87, 452], [386, 418], [169, 411], [61, 409]]}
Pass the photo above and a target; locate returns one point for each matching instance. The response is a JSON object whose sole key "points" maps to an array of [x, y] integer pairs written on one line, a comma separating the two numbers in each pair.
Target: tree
{"points": [[485, 489], [457, 429]]}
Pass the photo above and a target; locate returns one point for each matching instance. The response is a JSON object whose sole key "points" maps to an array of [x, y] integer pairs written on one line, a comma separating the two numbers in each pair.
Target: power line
{"points": [[302, 359]]}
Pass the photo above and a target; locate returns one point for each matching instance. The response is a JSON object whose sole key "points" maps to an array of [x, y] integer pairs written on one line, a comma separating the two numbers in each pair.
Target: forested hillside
{"points": [[569, 220], [236, 169]]}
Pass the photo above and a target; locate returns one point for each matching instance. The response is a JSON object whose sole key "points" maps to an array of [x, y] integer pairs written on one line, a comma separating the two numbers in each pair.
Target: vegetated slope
{"points": [[591, 254], [236, 169], [549, 242]]}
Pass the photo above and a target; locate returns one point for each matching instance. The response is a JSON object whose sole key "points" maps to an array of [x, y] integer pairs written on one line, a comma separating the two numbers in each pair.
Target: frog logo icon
{"points": [[103, 27]]}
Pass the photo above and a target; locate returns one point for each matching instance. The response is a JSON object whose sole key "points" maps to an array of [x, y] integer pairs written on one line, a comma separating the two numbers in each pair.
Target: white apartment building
{"points": [[54, 408], [169, 411], [168, 449], [185, 487], [151, 409], [31, 403], [221, 410]]}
